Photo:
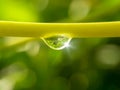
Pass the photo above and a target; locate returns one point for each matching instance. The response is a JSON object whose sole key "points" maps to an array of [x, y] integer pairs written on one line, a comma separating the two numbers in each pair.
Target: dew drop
{"points": [[57, 42]]}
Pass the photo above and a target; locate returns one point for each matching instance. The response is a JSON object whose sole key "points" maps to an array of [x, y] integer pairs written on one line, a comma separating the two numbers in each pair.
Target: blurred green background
{"points": [[88, 64]]}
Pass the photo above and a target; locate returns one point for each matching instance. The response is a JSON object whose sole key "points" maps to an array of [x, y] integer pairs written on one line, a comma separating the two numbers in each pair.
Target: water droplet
{"points": [[57, 42]]}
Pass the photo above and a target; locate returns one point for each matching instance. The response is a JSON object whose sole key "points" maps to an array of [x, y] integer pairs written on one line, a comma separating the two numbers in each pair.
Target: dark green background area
{"points": [[88, 64]]}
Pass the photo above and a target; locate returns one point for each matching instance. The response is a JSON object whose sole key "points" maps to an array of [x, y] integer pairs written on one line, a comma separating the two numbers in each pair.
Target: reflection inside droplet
{"points": [[57, 42]]}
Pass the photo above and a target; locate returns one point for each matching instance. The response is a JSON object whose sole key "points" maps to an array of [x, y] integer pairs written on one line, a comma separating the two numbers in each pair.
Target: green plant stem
{"points": [[28, 29]]}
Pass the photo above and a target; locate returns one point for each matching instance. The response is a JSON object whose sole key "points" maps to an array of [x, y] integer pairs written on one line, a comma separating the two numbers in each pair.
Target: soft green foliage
{"points": [[88, 64]]}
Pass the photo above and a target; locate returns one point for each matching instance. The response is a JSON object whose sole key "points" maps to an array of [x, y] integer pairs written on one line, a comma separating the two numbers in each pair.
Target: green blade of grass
{"points": [[28, 29]]}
